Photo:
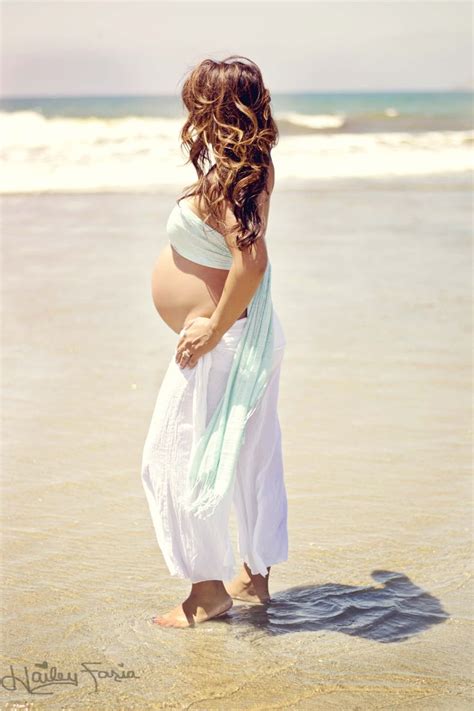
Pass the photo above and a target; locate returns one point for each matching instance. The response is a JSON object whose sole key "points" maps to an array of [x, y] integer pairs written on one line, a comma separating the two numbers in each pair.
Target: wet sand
{"points": [[372, 610]]}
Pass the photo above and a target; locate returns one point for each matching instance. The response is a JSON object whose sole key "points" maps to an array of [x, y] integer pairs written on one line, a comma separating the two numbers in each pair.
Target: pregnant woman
{"points": [[214, 439]]}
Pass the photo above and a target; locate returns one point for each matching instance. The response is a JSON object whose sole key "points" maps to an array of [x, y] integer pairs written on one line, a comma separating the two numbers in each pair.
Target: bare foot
{"points": [[206, 600], [249, 587]]}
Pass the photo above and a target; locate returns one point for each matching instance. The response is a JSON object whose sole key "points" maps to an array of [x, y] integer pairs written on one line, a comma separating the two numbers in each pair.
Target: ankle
{"points": [[256, 578], [208, 589]]}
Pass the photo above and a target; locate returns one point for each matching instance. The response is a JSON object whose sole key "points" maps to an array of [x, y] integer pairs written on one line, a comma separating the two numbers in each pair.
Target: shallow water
{"points": [[372, 284]]}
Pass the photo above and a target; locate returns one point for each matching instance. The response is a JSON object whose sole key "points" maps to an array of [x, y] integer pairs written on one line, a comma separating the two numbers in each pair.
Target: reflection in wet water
{"points": [[391, 612]]}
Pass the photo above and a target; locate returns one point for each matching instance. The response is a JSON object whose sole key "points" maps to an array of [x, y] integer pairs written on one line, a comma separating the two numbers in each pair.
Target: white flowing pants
{"points": [[200, 549]]}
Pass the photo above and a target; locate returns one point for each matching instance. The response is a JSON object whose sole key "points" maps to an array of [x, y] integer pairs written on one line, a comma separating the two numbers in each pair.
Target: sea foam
{"points": [[132, 153]]}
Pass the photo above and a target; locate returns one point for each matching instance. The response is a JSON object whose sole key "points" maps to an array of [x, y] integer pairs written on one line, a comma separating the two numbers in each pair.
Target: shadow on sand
{"points": [[392, 611]]}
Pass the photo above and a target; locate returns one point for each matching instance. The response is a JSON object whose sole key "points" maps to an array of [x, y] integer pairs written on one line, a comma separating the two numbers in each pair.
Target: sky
{"points": [[111, 47]]}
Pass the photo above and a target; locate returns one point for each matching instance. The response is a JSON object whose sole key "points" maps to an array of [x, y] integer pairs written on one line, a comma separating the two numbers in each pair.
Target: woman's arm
{"points": [[247, 270]]}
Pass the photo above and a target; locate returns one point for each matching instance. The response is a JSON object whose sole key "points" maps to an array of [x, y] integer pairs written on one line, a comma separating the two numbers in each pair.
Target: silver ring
{"points": [[186, 353]]}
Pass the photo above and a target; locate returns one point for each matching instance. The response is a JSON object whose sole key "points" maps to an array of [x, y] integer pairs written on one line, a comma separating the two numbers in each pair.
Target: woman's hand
{"points": [[200, 337]]}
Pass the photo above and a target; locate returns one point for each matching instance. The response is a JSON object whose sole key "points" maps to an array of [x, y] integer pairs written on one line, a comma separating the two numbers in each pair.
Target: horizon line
{"points": [[451, 90]]}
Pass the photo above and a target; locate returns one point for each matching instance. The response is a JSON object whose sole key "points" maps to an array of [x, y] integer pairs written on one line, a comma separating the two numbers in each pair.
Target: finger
{"points": [[182, 338], [181, 343], [180, 349], [184, 359], [184, 343]]}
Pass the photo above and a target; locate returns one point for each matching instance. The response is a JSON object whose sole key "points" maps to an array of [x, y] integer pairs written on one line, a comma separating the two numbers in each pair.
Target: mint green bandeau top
{"points": [[195, 240], [216, 445]]}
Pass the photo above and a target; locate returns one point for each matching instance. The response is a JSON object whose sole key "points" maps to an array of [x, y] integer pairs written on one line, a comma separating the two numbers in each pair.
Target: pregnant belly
{"points": [[182, 289]]}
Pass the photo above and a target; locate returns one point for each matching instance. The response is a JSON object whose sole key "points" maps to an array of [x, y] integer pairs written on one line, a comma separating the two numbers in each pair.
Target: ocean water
{"points": [[132, 143]]}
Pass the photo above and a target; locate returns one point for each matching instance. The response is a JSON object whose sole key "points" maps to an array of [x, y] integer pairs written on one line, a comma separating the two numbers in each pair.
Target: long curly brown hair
{"points": [[230, 117]]}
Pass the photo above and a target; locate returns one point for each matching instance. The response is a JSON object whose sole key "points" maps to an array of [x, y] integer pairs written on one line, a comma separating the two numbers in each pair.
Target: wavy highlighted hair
{"points": [[229, 115]]}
